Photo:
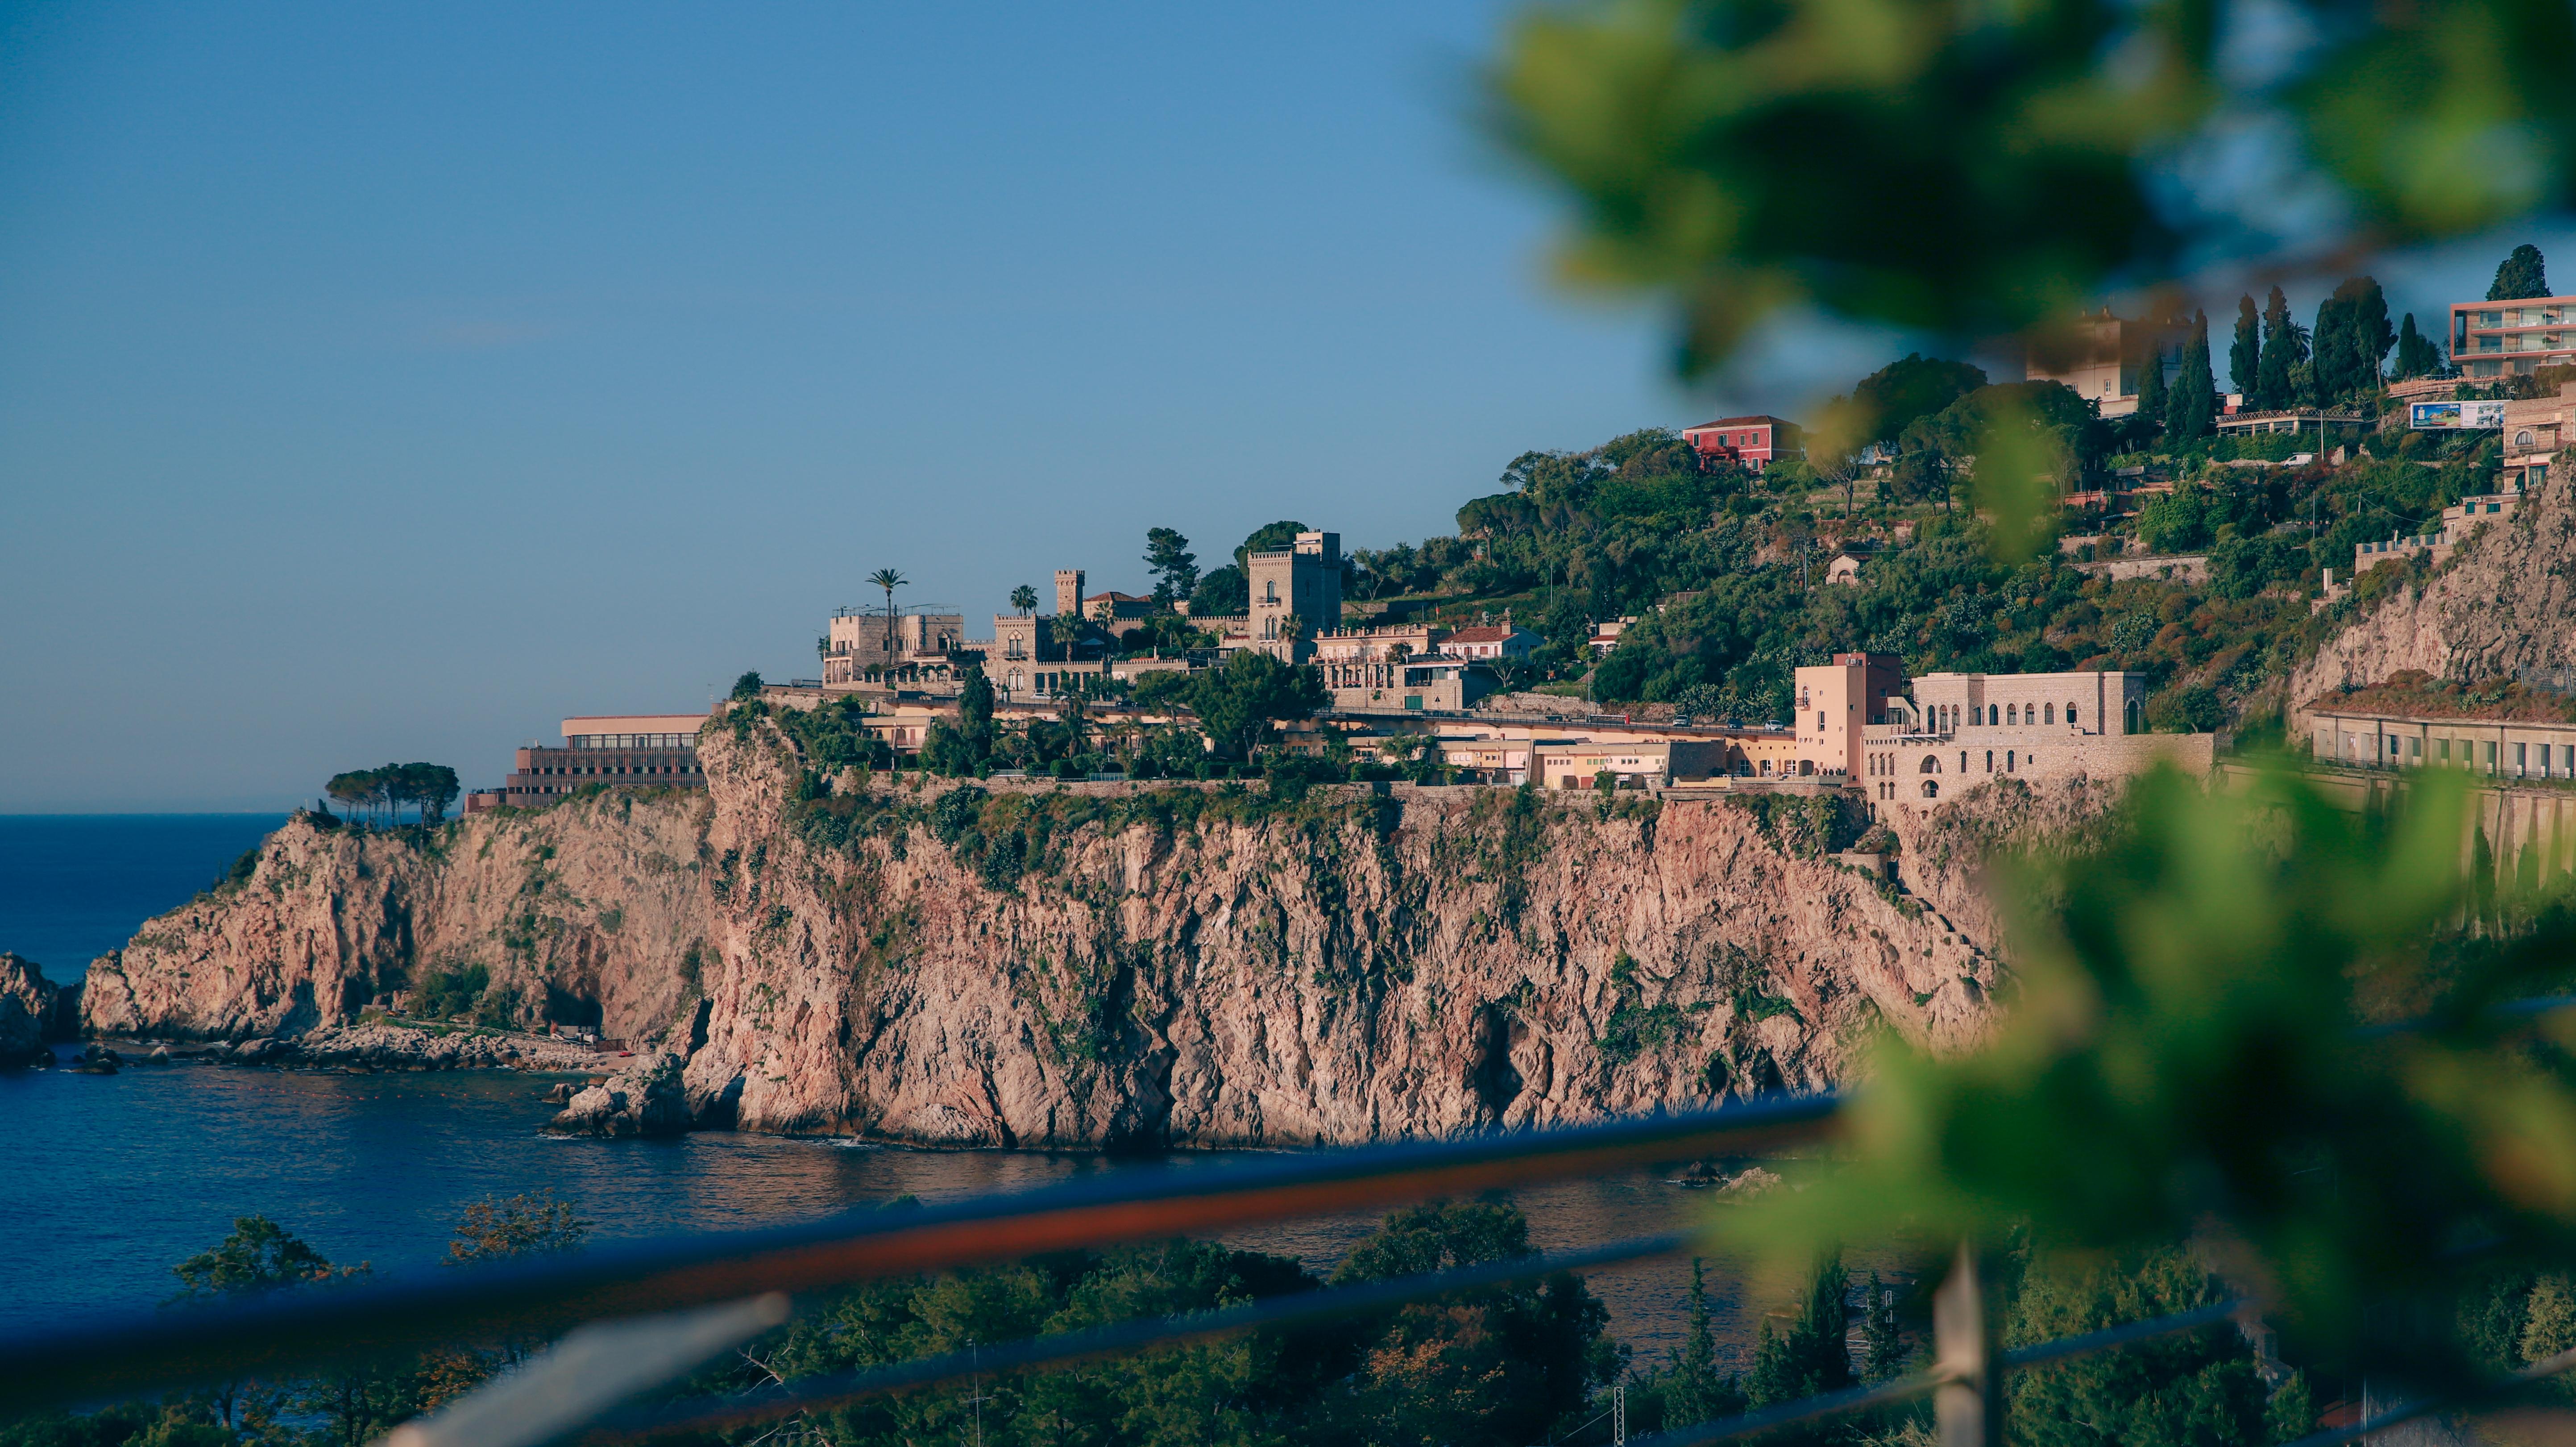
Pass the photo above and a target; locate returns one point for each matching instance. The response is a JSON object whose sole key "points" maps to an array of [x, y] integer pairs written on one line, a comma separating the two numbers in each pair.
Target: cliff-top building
{"points": [[1856, 721], [618, 751], [1296, 595]]}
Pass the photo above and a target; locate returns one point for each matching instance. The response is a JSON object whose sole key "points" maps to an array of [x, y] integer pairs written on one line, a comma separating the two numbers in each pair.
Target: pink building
{"points": [[1750, 442]]}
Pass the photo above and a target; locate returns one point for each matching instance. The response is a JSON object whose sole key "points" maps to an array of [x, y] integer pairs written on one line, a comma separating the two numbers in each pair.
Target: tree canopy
{"points": [[429, 788], [2520, 276], [1706, 147]]}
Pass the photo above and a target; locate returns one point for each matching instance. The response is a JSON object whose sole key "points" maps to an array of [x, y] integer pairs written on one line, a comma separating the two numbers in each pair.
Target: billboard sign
{"points": [[2455, 416]]}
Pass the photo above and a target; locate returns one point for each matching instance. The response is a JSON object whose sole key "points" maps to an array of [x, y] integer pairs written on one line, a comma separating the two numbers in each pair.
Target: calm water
{"points": [[111, 1179], [74, 886]]}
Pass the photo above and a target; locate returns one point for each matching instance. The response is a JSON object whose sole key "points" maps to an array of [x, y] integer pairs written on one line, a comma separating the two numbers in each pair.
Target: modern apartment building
{"points": [[2493, 339], [623, 751]]}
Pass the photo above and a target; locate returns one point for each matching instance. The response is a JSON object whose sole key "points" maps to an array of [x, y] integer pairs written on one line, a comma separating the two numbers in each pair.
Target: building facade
{"points": [[1296, 595], [622, 751], [2490, 748], [1752, 443], [864, 645], [1836, 701], [2103, 358], [2496, 339]]}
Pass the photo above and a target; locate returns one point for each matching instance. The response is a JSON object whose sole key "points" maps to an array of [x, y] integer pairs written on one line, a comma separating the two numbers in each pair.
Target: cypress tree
{"points": [[2417, 354], [2328, 351], [2194, 398], [2521, 275], [2245, 354], [2151, 377], [2283, 350], [2366, 331]]}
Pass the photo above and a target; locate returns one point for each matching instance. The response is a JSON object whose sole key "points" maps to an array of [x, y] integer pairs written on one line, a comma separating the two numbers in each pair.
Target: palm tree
{"points": [[888, 579], [1025, 599]]}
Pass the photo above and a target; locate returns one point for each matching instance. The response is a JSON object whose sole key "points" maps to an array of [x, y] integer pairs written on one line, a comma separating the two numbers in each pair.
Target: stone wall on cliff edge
{"points": [[2501, 603], [1093, 967]]}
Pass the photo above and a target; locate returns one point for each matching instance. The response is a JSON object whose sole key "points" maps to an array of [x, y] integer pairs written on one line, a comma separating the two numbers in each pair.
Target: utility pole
{"points": [[1619, 1414], [977, 1401]]}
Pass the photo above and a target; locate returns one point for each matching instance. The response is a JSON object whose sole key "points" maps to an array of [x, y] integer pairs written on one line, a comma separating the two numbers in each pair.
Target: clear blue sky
{"points": [[388, 382]]}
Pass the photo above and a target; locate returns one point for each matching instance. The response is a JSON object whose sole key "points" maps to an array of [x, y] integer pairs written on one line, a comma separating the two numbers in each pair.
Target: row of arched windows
{"points": [[2001, 715]]}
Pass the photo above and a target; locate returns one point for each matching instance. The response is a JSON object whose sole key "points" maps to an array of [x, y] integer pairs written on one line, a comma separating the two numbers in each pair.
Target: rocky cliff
{"points": [[29, 1005], [2499, 604], [1091, 965]]}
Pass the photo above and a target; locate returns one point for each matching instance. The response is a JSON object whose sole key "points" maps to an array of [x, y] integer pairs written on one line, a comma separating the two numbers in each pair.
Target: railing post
{"points": [[1969, 1404]]}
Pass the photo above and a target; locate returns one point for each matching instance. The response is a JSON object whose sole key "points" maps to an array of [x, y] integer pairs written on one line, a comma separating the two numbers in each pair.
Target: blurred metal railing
{"points": [[654, 1311]]}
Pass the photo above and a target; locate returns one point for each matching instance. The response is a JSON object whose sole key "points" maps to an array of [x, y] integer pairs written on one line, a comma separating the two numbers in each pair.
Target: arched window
{"points": [[2048, 713], [1931, 764], [1990, 761], [1994, 715], [2070, 713], [2012, 714], [2008, 761], [2522, 439], [1931, 790]]}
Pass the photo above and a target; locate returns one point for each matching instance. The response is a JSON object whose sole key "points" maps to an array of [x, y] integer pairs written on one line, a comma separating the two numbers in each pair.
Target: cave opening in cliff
{"points": [[567, 1007]]}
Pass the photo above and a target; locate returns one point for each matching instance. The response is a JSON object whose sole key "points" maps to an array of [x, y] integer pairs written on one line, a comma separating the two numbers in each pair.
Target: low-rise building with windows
{"points": [[1752, 443], [621, 751], [2490, 748]]}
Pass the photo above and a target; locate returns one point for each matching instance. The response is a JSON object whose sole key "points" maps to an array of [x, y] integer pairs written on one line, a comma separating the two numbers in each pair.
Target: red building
{"points": [[1752, 443]]}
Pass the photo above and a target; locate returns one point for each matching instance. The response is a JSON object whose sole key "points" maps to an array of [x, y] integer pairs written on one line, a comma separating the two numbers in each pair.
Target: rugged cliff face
{"points": [[585, 913], [1095, 965], [2501, 604]]}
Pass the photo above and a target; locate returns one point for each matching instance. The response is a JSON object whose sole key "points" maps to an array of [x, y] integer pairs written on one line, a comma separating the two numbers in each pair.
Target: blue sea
{"points": [[112, 1179]]}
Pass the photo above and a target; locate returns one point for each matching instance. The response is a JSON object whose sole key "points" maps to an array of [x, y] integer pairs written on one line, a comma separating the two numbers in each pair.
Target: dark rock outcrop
{"points": [[648, 1098], [27, 1009]]}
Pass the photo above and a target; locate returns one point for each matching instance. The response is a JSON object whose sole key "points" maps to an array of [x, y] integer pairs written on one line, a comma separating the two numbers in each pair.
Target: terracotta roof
{"points": [[1486, 634], [1756, 421]]}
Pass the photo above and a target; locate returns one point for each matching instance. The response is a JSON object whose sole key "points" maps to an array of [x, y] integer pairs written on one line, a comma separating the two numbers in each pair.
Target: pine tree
{"points": [[1698, 1393], [2194, 398], [1883, 1342], [2550, 1327], [2521, 275], [2283, 350], [1811, 1356], [2151, 379], [2245, 354]]}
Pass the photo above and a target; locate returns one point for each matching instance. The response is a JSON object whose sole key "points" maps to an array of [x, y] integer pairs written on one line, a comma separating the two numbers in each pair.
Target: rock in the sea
{"points": [[646, 1098], [26, 1011], [160, 1055], [561, 1094]]}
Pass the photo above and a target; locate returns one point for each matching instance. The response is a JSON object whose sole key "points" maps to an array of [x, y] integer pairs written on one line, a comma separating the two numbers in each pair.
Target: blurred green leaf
{"points": [[2186, 1055], [1983, 170]]}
